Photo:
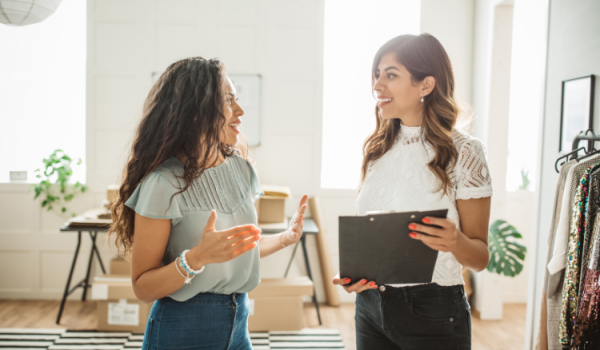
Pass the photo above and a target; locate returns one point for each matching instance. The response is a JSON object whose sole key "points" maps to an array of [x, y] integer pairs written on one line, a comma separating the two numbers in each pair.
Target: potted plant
{"points": [[506, 254], [524, 179], [54, 188]]}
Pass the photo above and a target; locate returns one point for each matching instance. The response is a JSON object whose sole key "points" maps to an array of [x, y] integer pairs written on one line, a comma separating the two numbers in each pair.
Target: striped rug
{"points": [[61, 339]]}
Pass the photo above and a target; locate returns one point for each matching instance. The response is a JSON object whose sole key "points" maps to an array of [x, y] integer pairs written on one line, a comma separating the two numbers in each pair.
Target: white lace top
{"points": [[401, 181]]}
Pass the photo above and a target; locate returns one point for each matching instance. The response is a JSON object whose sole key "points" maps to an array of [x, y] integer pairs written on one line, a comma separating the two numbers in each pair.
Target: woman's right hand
{"points": [[356, 287], [221, 246]]}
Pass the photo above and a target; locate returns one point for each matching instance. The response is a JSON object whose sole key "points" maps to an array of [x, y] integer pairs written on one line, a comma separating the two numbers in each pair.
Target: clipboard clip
{"points": [[376, 212]]}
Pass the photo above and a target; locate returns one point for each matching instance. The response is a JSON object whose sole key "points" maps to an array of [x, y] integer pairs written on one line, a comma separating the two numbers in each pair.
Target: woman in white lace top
{"points": [[416, 159]]}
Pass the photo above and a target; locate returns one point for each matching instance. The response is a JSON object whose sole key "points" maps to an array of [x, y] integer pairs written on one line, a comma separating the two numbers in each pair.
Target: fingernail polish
{"points": [[413, 235], [426, 220], [412, 226], [346, 280], [363, 282], [371, 284]]}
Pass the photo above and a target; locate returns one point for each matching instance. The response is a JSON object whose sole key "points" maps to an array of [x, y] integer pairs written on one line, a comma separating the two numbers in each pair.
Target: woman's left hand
{"points": [[293, 234], [444, 239]]}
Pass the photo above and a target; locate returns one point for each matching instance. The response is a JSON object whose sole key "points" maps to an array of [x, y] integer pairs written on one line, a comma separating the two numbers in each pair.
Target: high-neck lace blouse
{"points": [[401, 181], [230, 189]]}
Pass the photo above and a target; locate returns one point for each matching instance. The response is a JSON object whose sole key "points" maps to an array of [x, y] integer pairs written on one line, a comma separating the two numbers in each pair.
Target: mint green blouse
{"points": [[230, 189]]}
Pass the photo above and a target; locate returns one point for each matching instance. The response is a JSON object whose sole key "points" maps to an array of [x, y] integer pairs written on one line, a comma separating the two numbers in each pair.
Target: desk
{"points": [[310, 228], [85, 283]]}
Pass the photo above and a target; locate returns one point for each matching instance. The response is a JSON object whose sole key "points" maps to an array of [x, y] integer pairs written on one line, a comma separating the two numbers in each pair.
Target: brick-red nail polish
{"points": [[413, 235], [363, 282], [347, 280], [412, 226], [426, 220], [371, 284]]}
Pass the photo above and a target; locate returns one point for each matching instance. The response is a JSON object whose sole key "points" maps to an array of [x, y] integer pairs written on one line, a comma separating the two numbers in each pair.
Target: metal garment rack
{"points": [[588, 136]]}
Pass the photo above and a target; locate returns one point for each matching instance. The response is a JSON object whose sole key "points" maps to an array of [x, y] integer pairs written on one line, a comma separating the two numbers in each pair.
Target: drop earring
{"points": [[422, 100]]}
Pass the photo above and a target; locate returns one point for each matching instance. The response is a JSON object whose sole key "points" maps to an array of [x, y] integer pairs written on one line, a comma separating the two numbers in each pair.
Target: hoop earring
{"points": [[422, 97]]}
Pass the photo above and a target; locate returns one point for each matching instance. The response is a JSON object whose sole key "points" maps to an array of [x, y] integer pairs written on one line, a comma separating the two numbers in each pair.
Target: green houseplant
{"points": [[524, 179], [54, 188], [506, 254]]}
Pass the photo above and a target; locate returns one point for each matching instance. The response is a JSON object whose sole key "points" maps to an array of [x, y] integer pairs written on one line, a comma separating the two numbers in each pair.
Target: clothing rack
{"points": [[574, 154]]}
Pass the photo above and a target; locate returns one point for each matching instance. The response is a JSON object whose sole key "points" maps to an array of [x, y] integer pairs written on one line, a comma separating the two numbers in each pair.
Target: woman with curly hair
{"points": [[185, 213], [417, 159]]}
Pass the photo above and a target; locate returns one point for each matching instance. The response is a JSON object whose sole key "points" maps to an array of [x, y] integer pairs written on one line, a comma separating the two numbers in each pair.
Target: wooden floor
{"points": [[509, 333]]}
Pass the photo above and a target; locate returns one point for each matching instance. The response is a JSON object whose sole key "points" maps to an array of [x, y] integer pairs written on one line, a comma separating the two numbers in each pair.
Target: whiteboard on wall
{"points": [[248, 97]]}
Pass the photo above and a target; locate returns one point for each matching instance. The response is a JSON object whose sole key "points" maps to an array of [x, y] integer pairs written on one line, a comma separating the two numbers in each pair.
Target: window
{"points": [[526, 90], [354, 31], [42, 91]]}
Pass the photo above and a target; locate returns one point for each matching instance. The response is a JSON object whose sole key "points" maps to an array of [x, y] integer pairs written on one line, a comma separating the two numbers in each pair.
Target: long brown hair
{"points": [[182, 115], [423, 56]]}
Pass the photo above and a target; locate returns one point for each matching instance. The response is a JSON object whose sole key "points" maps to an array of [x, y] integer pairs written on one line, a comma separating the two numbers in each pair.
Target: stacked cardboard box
{"points": [[271, 206], [278, 304], [118, 308]]}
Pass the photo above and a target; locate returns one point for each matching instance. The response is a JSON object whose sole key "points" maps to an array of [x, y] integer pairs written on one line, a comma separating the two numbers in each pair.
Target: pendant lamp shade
{"points": [[26, 12]]}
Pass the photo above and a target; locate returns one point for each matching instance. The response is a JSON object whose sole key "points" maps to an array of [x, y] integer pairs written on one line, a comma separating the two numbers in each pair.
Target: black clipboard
{"points": [[377, 248]]}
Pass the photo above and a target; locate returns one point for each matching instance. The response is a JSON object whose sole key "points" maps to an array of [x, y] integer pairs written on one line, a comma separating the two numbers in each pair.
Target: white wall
{"points": [[451, 22], [282, 40], [573, 51]]}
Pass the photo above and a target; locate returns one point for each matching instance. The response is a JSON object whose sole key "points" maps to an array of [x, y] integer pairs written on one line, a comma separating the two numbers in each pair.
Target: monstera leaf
{"points": [[506, 255]]}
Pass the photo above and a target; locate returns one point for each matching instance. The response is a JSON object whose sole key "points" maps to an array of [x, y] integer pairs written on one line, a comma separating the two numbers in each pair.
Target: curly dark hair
{"points": [[182, 116]]}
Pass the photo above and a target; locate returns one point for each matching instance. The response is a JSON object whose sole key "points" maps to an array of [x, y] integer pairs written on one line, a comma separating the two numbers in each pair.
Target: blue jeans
{"points": [[417, 317], [206, 321]]}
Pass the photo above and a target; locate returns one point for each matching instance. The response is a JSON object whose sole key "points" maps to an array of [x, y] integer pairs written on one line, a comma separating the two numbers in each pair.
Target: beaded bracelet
{"points": [[187, 267]]}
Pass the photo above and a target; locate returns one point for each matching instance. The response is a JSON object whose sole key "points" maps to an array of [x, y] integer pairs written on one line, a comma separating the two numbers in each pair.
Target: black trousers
{"points": [[417, 317]]}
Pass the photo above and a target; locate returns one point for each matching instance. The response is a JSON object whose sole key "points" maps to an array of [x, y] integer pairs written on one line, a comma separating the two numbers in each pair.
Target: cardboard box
{"points": [[271, 207], [120, 266], [278, 305], [112, 192], [122, 315], [118, 308]]}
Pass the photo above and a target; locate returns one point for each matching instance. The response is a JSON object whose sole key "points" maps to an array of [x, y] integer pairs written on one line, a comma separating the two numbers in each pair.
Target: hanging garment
{"points": [[590, 218], [542, 338], [586, 333], [561, 237], [572, 268]]}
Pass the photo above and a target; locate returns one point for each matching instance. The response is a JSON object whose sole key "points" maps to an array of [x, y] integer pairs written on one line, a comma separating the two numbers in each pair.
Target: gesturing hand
{"points": [[294, 232], [221, 246], [443, 239], [356, 287]]}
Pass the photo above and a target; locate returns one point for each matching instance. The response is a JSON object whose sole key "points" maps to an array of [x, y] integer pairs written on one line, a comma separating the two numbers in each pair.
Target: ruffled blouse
{"points": [[230, 189]]}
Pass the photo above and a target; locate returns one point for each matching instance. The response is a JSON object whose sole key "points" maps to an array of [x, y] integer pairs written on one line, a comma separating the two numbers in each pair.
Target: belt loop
{"points": [[405, 295]]}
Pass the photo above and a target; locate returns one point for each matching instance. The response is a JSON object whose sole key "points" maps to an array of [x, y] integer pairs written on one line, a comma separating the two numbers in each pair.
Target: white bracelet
{"points": [[281, 235], [186, 266], [188, 279]]}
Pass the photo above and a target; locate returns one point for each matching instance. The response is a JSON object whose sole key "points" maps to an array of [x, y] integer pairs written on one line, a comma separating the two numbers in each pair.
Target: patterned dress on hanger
{"points": [[586, 333], [593, 205], [572, 269], [586, 330]]}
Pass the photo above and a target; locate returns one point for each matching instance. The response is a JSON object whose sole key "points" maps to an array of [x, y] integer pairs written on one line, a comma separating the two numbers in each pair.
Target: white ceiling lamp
{"points": [[26, 12]]}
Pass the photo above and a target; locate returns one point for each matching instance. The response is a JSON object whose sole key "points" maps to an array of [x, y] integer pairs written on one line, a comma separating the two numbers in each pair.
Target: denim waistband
{"points": [[423, 290], [216, 298]]}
